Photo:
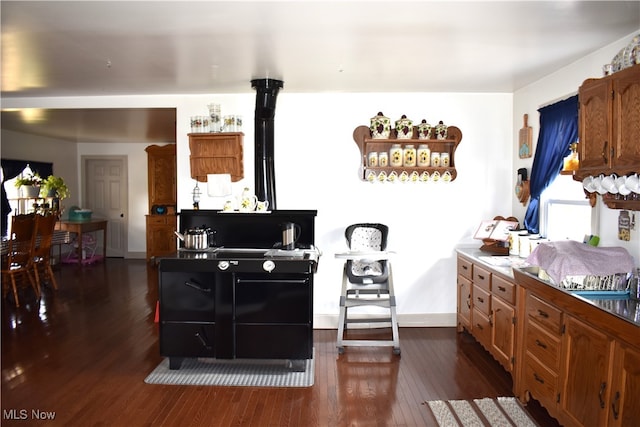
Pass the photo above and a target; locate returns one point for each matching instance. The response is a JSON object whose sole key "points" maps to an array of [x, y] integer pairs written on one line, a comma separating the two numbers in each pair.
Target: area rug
{"points": [[236, 372], [502, 412]]}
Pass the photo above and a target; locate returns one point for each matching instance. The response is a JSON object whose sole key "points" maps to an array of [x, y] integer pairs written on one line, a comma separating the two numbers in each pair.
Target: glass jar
{"points": [[409, 154], [424, 156], [395, 155]]}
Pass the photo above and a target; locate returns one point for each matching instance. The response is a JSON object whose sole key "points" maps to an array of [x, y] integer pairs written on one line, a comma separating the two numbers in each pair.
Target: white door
{"points": [[105, 193]]}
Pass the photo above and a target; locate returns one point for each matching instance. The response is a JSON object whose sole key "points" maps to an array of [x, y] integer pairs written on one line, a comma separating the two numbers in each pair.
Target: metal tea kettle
{"points": [[290, 235], [197, 238]]}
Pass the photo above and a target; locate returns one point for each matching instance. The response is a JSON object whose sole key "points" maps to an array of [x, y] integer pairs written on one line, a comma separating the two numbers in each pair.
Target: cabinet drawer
{"points": [[546, 314], [187, 339], [274, 341], [540, 382], [481, 300], [544, 346], [266, 300], [465, 268], [187, 296], [481, 328], [503, 289], [482, 278], [161, 219]]}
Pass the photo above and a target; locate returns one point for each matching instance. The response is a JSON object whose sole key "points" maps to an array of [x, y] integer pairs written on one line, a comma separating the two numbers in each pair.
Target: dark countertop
{"points": [[622, 307]]}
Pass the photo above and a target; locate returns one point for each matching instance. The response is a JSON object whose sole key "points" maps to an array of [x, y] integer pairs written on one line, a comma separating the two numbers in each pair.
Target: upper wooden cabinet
{"points": [[216, 153], [161, 170], [608, 124]]}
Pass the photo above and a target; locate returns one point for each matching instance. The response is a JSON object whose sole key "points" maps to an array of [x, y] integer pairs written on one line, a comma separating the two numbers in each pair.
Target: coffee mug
{"points": [[609, 183], [262, 206], [228, 206], [633, 183]]}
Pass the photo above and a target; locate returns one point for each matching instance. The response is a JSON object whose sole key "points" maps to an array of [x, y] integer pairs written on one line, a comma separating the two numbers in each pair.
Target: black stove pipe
{"points": [[265, 177]]}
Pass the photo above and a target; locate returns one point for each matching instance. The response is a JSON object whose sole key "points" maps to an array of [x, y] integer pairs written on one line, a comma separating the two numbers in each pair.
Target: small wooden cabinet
{"points": [[161, 239], [367, 144], [216, 153], [465, 275], [161, 173], [625, 383], [608, 128]]}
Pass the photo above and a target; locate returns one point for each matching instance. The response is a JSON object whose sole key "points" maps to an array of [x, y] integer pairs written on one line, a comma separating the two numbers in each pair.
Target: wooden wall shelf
{"points": [[367, 144], [216, 153]]}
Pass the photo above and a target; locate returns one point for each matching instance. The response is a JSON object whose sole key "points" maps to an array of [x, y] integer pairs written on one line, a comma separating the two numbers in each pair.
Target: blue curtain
{"points": [[558, 129]]}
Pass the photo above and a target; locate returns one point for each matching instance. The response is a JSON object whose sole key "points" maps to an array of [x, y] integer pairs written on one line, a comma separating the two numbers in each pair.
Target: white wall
{"points": [[562, 84]]}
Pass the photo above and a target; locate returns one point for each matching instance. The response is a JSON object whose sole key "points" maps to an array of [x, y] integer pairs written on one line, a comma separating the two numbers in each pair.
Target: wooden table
{"points": [[80, 227]]}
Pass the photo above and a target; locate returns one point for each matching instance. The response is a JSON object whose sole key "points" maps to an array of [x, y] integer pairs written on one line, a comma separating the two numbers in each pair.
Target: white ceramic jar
{"points": [[395, 156], [404, 128], [424, 156], [435, 160], [409, 155], [380, 126], [383, 159]]}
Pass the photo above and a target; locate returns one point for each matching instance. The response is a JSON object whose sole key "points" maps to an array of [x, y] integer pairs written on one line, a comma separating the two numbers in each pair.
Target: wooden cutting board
{"points": [[524, 142]]}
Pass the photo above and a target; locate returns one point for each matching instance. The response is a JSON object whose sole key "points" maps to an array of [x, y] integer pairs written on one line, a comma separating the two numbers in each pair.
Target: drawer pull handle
{"points": [[603, 387], [537, 378], [541, 344], [480, 276], [469, 303], [502, 289], [204, 342], [479, 326], [543, 314], [197, 286], [615, 406], [480, 299], [464, 267]]}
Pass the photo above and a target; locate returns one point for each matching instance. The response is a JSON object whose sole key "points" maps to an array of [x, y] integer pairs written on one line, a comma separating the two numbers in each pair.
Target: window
{"points": [[566, 213]]}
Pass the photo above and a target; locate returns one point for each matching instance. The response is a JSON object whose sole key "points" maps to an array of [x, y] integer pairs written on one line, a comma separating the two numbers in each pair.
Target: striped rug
{"points": [[500, 412], [237, 372]]}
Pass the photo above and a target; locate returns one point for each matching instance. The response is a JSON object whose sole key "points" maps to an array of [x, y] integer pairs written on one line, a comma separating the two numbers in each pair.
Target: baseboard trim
{"points": [[426, 320]]}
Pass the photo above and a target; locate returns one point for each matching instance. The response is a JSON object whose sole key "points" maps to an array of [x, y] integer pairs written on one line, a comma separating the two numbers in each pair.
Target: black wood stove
{"points": [[244, 297]]}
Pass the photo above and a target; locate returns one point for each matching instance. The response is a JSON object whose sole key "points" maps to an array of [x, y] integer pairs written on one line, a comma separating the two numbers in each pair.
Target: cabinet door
{"points": [[503, 332], [161, 239], [162, 174], [625, 389], [464, 303], [626, 116], [594, 125], [586, 386]]}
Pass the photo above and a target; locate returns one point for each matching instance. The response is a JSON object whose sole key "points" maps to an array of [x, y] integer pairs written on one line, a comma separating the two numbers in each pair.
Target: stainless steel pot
{"points": [[198, 239]]}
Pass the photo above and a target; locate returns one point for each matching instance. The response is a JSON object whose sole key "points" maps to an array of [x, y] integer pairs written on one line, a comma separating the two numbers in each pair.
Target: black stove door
{"points": [[273, 316]]}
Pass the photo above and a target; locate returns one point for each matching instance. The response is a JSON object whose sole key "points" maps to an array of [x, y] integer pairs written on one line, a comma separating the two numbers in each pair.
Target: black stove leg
{"points": [[175, 363]]}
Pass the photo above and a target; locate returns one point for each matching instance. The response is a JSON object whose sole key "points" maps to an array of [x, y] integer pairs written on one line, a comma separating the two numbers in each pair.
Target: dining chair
{"points": [[45, 224], [17, 263]]}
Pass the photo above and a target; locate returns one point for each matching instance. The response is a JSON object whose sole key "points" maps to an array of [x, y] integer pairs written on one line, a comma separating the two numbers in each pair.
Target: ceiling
{"points": [[93, 48]]}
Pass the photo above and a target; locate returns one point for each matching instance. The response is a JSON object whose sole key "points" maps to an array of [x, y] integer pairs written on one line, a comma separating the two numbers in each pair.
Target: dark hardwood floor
{"points": [[80, 355]]}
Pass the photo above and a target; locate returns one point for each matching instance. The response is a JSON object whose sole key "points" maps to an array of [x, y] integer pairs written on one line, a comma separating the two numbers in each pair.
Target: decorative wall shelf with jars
{"points": [[407, 153]]}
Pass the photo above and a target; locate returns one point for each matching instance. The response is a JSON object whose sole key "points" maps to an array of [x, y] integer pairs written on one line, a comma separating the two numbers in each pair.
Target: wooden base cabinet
{"points": [[581, 363], [486, 308]]}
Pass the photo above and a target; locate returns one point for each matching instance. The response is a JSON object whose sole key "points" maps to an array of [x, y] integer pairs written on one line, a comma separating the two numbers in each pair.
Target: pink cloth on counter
{"points": [[571, 258]]}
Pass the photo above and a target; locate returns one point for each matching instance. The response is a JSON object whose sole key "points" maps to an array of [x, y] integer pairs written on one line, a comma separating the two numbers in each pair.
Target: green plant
{"points": [[31, 179], [55, 184]]}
